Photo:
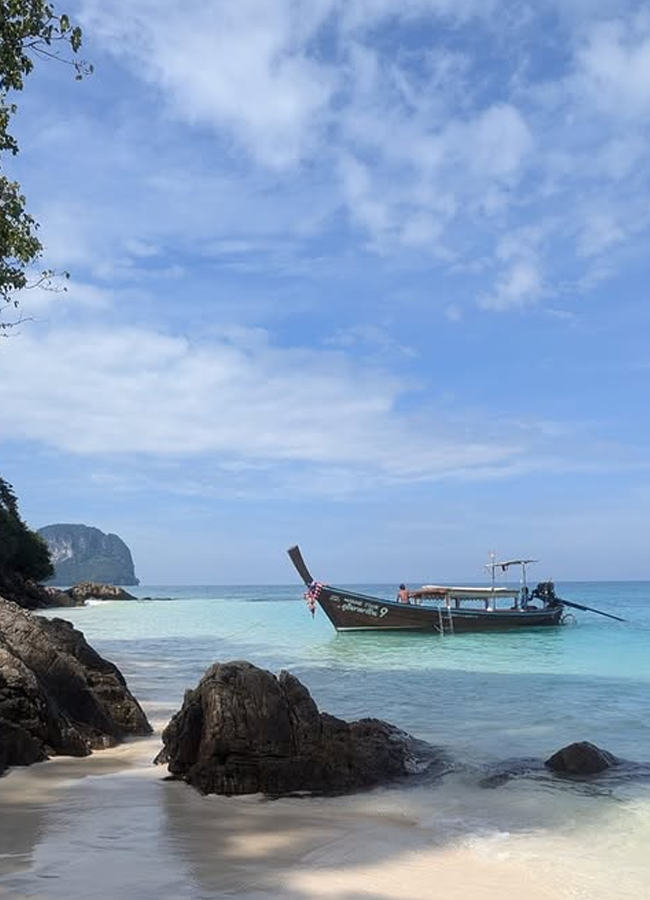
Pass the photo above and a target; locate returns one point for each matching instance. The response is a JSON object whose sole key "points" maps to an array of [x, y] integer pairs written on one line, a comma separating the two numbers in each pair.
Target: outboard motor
{"points": [[545, 591]]}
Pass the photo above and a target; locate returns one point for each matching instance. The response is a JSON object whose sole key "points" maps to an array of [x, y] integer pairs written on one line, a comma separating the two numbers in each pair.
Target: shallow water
{"points": [[483, 695], [485, 698]]}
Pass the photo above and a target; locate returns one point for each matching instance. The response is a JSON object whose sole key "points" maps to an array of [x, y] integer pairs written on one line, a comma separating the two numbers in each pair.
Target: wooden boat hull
{"points": [[349, 611]]}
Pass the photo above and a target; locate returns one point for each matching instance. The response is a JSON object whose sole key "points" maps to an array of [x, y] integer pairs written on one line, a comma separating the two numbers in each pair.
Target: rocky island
{"points": [[84, 553]]}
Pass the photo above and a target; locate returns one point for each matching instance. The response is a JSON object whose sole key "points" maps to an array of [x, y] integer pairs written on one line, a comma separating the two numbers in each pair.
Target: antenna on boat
{"points": [[524, 589], [492, 556]]}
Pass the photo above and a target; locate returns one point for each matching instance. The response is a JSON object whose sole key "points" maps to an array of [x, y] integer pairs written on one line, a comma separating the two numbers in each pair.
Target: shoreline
{"points": [[247, 845], [108, 825], [67, 824]]}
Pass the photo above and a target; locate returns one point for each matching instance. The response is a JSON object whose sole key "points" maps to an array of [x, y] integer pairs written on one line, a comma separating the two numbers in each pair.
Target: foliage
{"points": [[22, 551], [29, 30]]}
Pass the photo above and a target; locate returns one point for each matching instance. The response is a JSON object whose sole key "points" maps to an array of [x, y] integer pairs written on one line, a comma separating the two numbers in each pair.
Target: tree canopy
{"points": [[30, 30], [22, 551]]}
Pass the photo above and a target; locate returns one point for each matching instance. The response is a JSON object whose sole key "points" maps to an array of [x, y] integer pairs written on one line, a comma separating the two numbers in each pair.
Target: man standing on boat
{"points": [[403, 594]]}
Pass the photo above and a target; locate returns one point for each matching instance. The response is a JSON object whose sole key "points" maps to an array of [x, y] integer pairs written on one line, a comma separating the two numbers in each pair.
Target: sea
{"points": [[492, 702]]}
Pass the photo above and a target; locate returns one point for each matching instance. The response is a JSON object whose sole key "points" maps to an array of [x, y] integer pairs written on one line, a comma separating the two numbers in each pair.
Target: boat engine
{"points": [[545, 591]]}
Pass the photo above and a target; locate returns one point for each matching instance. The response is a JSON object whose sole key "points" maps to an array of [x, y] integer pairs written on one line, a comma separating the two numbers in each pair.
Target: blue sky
{"points": [[369, 276]]}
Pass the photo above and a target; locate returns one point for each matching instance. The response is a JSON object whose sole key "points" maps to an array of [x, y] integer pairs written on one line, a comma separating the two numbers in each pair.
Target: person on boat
{"points": [[403, 594]]}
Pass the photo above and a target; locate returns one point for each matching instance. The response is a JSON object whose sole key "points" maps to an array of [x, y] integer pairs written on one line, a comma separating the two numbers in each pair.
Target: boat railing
{"points": [[457, 597]]}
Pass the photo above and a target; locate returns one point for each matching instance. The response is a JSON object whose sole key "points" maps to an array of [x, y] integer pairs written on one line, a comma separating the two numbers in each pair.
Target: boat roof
{"points": [[443, 590], [509, 562]]}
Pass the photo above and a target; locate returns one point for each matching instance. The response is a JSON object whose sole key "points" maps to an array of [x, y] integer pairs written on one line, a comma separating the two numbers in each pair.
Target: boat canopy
{"points": [[506, 563], [467, 593]]}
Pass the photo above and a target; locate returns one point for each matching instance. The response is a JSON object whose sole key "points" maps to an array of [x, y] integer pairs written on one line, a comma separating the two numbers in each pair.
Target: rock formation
{"points": [[30, 595], [82, 553], [90, 590], [581, 758], [57, 695], [242, 731]]}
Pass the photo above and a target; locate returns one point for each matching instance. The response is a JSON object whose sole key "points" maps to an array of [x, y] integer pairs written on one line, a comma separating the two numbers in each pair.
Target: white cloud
{"points": [[619, 157], [364, 15], [239, 67], [301, 110], [496, 143], [236, 398], [373, 338], [599, 233], [63, 296], [263, 79], [613, 68], [519, 282], [519, 285]]}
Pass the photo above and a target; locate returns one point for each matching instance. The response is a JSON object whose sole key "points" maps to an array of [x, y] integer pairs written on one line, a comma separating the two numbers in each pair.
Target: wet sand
{"points": [[111, 826]]}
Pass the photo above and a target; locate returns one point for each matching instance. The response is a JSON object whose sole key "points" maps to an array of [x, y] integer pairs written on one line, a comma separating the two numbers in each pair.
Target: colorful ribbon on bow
{"points": [[311, 596]]}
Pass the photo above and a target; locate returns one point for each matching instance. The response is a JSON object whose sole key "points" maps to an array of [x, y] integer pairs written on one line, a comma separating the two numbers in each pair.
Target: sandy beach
{"points": [[110, 825]]}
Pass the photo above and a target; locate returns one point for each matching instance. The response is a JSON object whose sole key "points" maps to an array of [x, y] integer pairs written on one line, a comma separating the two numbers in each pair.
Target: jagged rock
{"points": [[90, 590], [56, 597], [57, 695], [31, 595], [581, 758], [242, 731], [83, 553]]}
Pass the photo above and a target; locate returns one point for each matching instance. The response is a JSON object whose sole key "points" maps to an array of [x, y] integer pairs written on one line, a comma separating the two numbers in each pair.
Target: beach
{"points": [[111, 825]]}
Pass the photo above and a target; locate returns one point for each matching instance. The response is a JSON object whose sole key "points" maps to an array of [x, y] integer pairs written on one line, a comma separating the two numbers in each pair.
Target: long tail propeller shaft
{"points": [[591, 609]]}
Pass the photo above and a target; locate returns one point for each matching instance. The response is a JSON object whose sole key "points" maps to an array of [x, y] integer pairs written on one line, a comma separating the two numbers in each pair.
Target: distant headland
{"points": [[84, 553]]}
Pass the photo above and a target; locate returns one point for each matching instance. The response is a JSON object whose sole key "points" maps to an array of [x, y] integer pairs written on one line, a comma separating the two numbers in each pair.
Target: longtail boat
{"points": [[440, 609]]}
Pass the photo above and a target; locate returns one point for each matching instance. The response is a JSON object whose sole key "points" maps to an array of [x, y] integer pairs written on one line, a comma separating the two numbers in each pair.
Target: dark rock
{"points": [[581, 758], [497, 774], [83, 553], [57, 695], [242, 731], [18, 747], [30, 595], [54, 597], [90, 590]]}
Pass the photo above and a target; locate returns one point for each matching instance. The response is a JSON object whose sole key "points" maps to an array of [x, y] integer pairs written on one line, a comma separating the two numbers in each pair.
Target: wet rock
{"points": [[581, 758], [92, 590], [57, 694], [500, 773], [242, 731], [54, 597], [30, 595]]}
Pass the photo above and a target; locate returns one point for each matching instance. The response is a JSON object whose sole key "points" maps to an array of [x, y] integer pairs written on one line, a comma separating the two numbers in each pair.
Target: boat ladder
{"points": [[445, 621]]}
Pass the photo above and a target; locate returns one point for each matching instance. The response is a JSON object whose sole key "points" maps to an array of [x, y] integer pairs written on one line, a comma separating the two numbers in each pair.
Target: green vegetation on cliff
{"points": [[22, 551]]}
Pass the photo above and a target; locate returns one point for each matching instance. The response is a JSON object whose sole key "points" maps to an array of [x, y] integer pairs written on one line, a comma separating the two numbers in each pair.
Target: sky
{"points": [[368, 276]]}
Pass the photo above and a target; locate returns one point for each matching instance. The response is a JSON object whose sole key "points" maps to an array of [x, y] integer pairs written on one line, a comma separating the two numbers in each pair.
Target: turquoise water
{"points": [[109, 832], [484, 696]]}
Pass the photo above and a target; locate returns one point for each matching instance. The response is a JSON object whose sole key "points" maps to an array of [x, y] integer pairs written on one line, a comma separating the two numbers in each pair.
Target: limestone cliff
{"points": [[83, 553]]}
